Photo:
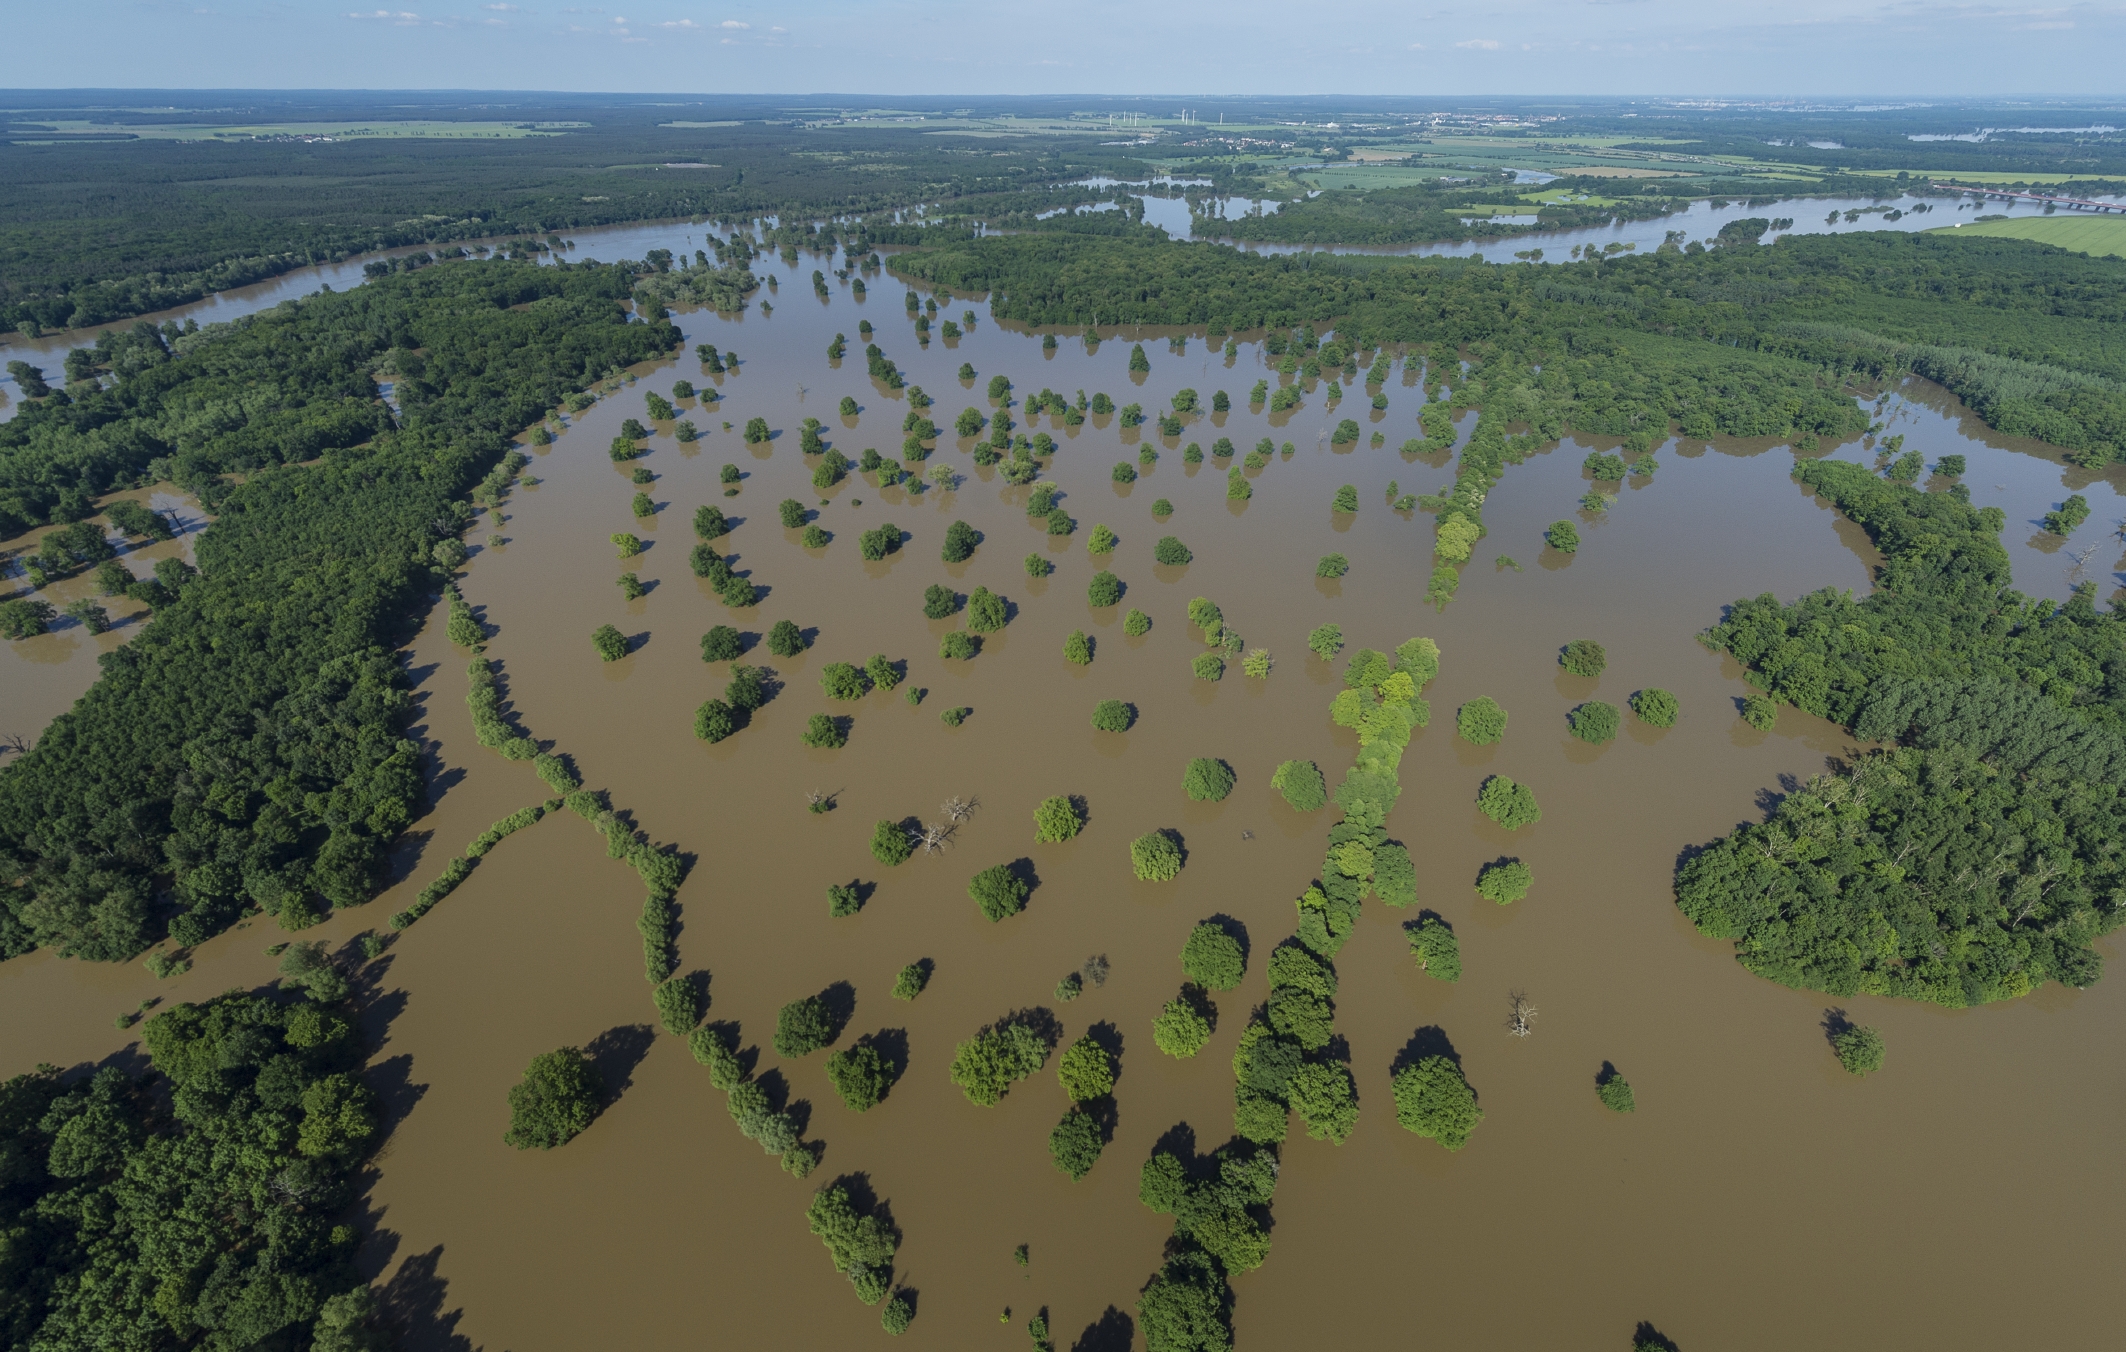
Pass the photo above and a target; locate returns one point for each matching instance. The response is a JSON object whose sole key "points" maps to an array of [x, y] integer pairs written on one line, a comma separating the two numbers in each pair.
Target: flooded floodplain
{"points": [[1759, 1198]]}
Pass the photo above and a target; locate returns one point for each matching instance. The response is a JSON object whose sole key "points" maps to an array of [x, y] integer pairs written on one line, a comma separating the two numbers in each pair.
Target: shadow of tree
{"points": [[616, 1052]]}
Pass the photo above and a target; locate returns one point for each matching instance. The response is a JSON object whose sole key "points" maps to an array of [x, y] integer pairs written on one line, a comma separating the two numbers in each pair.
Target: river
{"points": [[1759, 1198]]}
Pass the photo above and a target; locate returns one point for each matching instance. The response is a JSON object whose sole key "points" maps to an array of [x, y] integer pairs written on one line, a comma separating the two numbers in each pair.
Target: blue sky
{"points": [[1797, 47]]}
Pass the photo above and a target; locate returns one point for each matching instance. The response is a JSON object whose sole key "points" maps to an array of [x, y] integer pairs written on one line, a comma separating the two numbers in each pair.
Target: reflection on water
{"points": [[1753, 1165]]}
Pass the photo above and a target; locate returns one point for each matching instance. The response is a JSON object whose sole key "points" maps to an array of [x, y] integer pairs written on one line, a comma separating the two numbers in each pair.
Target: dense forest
{"points": [[241, 750], [174, 222], [198, 1204], [1981, 861]]}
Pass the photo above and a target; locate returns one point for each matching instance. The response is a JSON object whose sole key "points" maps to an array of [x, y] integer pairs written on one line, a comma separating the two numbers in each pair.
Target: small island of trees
{"points": [[1155, 857], [557, 1099], [1481, 721]]}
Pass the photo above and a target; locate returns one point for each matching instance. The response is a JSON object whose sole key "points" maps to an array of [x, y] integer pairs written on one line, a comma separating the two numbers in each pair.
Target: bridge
{"points": [[2002, 194]]}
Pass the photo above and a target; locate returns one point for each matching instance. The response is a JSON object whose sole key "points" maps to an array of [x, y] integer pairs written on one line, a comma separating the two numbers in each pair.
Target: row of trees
{"points": [[1288, 1057]]}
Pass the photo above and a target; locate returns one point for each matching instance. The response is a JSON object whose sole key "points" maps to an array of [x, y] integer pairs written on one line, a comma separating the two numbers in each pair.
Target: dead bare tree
{"points": [[1095, 969], [2080, 569], [1521, 1020], [15, 742], [934, 838], [957, 810]]}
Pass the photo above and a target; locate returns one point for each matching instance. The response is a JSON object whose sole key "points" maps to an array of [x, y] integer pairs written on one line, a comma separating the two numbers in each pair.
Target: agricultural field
{"points": [[2101, 236]]}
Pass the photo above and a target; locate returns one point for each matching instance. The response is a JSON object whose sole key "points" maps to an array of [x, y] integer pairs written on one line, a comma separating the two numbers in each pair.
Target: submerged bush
{"points": [[1760, 712], [1596, 721], [1155, 857], [861, 1076], [1859, 1049], [1436, 949], [1614, 1091], [1075, 1146], [890, 844], [842, 681], [1104, 590], [911, 981], [1207, 781], [556, 1100], [1563, 536], [960, 542], [785, 639], [958, 645], [713, 721], [1182, 1028], [803, 1027], [1055, 820], [1112, 715], [986, 1065], [1481, 721], [1086, 1070], [1213, 958], [1433, 1100], [823, 733], [986, 611], [1170, 550], [1301, 784], [1136, 624], [1332, 567], [1510, 804], [610, 643], [1583, 657], [940, 602], [1078, 649], [1207, 666], [1504, 881], [1656, 707], [999, 891]]}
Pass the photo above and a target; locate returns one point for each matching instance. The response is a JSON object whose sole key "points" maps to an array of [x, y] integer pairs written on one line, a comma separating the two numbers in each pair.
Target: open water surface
{"points": [[1759, 1198]]}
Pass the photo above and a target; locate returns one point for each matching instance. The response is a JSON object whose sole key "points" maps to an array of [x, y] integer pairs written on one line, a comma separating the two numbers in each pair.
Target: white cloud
{"points": [[387, 16], [1480, 44], [502, 9], [778, 29], [679, 23], [733, 23]]}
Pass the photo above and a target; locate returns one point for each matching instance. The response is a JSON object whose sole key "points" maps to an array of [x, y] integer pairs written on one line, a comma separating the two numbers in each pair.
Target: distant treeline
{"points": [[245, 751], [92, 233]]}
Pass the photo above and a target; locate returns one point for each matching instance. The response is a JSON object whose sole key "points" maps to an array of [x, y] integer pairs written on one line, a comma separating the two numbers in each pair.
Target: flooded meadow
{"points": [[1759, 1197]]}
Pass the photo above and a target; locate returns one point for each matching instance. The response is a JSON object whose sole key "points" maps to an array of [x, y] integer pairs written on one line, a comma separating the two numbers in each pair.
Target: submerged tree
{"points": [[556, 1100], [1433, 1100]]}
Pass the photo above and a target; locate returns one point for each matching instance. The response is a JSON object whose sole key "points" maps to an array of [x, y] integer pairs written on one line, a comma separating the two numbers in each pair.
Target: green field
{"points": [[2103, 236]]}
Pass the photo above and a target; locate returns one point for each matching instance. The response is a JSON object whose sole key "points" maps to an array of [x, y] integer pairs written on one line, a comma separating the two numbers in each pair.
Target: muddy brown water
{"points": [[1759, 1197]]}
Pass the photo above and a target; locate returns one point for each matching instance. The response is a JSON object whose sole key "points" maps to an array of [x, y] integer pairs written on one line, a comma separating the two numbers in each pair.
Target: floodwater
{"points": [[43, 676], [1759, 1198]]}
